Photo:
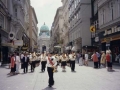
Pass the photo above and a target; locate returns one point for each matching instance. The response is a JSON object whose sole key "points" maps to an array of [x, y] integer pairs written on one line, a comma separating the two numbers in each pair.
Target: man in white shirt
{"points": [[51, 63]]}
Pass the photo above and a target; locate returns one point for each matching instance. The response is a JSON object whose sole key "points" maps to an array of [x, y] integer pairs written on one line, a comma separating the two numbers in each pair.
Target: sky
{"points": [[45, 11]]}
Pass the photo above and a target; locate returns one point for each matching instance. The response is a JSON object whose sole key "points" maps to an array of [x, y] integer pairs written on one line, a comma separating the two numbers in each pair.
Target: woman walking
{"points": [[95, 60], [17, 63], [63, 62], [72, 58], [103, 59], [109, 60], [12, 65]]}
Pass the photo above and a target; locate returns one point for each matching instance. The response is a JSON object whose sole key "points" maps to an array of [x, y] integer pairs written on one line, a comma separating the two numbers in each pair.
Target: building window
{"points": [[119, 9], [16, 12], [112, 10], [95, 7], [1, 20]]}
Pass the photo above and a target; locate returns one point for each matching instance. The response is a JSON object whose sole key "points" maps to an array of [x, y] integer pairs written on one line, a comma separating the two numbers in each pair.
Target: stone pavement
{"points": [[85, 78]]}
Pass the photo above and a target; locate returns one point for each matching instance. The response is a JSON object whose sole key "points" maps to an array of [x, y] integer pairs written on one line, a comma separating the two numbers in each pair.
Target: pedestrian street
{"points": [[85, 78]]}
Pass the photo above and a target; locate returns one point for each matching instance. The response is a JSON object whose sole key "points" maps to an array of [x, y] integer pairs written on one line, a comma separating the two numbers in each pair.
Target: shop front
{"points": [[110, 40], [26, 43]]}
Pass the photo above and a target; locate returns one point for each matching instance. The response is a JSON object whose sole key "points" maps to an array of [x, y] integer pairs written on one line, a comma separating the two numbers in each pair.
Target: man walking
{"points": [[25, 63], [51, 63]]}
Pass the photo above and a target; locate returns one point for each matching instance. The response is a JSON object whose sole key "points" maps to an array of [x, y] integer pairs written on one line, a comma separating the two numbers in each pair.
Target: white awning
{"points": [[57, 46], [9, 45]]}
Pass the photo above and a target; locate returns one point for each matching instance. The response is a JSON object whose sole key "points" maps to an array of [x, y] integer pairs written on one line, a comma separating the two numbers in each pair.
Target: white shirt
{"points": [[17, 59], [71, 57], [64, 59], [54, 62], [25, 58], [43, 58], [22, 56], [86, 56]]}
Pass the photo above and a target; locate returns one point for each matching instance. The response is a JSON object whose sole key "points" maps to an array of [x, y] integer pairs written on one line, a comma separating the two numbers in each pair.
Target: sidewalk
{"points": [[85, 78]]}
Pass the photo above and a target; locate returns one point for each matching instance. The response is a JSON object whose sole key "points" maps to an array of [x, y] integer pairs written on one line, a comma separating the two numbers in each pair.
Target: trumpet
{"points": [[54, 69]]}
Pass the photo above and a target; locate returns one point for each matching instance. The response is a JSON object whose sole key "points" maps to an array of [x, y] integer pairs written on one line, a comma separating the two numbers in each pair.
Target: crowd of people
{"points": [[52, 61]]}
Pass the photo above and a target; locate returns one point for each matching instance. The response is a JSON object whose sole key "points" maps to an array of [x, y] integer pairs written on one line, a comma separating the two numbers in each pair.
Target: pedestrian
{"points": [[12, 65], [103, 59], [109, 60], [51, 63], [72, 58], [95, 60], [17, 63], [43, 62], [78, 56], [99, 56], [63, 62], [81, 60], [21, 57], [86, 59], [26, 61], [32, 61], [83, 56]]}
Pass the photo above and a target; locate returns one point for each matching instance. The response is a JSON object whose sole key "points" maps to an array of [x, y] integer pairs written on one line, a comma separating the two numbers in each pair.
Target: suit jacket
{"points": [[27, 61]]}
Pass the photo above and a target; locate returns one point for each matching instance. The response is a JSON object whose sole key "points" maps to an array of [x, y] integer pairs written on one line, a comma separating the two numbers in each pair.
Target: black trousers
{"points": [[43, 65], [95, 64], [50, 74], [72, 65], [25, 67], [32, 66], [99, 64]]}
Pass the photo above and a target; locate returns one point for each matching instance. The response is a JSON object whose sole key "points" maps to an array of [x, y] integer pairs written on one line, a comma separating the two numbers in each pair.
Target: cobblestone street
{"points": [[85, 78]]}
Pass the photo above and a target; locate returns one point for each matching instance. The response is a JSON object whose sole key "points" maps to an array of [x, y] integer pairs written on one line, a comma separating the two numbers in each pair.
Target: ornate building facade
{"points": [[44, 39]]}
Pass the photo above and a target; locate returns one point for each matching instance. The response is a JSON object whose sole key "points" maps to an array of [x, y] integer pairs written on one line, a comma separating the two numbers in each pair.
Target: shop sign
{"points": [[96, 39], [112, 30], [92, 29], [18, 42]]}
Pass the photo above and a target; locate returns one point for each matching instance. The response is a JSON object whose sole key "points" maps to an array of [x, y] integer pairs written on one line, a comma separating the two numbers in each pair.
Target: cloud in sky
{"points": [[45, 11]]}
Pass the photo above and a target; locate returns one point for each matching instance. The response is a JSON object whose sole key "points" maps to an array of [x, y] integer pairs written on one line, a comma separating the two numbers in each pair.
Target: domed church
{"points": [[44, 39]]}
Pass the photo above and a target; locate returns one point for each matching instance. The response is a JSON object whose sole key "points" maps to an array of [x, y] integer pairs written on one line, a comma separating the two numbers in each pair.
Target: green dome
{"points": [[44, 28]]}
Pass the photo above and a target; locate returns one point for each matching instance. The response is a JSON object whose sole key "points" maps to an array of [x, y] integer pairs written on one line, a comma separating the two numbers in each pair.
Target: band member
{"points": [[63, 62], [25, 63], [43, 62], [51, 63], [38, 59], [32, 60], [72, 58], [17, 63]]}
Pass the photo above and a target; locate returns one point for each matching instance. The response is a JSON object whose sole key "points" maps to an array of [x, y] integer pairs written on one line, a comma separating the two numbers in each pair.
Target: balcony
{"points": [[101, 2]]}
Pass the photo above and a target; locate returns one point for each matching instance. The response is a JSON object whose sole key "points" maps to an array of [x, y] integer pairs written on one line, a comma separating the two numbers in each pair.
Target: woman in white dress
{"points": [[17, 63], [86, 59]]}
